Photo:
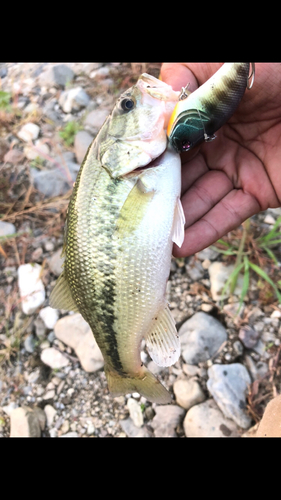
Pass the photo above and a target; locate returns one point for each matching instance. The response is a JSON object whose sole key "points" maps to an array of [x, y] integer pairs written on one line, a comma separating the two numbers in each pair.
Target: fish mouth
{"points": [[152, 164]]}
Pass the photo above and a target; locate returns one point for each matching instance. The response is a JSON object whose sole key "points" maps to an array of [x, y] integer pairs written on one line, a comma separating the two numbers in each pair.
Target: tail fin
{"points": [[147, 385]]}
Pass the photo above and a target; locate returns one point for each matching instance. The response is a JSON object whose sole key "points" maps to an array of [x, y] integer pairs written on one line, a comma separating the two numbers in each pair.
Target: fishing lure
{"points": [[198, 115]]}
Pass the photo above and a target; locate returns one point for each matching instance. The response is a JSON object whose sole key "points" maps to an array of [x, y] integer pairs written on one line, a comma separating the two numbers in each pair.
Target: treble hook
{"points": [[183, 95], [251, 76]]}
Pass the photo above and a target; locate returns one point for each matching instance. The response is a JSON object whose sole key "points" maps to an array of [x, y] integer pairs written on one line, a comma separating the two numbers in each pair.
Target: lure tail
{"points": [[147, 385]]}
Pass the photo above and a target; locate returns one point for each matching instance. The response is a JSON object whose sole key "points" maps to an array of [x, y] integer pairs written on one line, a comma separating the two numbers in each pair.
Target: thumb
{"points": [[178, 75]]}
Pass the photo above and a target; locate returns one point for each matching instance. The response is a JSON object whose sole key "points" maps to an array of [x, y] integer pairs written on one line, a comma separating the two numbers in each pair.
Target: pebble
{"points": [[269, 219], [51, 182], [6, 228], [75, 332], [14, 156], [29, 132], [166, 420], [270, 424], [74, 99], [95, 119], [248, 336], [27, 422], [219, 274], [40, 149], [71, 434], [50, 414], [29, 343], [9, 408], [31, 287], [201, 337], [56, 76], [56, 262], [131, 430], [81, 143], [50, 316], [188, 393], [135, 412], [206, 420], [228, 384], [53, 358]]}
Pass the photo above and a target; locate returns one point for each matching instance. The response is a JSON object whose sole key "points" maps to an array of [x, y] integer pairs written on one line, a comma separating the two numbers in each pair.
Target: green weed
{"points": [[251, 255], [69, 131], [5, 98]]}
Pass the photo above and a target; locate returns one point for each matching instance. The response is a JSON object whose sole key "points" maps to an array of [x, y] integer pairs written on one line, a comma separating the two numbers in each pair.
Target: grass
{"points": [[253, 254], [69, 131]]}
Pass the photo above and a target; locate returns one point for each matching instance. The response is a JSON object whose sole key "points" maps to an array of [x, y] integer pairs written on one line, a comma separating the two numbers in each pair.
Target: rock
{"points": [[71, 434], [50, 414], [228, 384], [131, 430], [51, 182], [270, 424], [206, 420], [219, 274], [50, 316], [6, 228], [188, 393], [73, 100], [269, 219], [82, 141], [29, 132], [14, 156], [75, 332], [40, 149], [29, 343], [26, 422], [31, 288], [53, 358], [9, 408], [135, 412], [166, 420], [248, 336], [95, 119], [56, 76], [194, 269], [201, 337], [56, 262]]}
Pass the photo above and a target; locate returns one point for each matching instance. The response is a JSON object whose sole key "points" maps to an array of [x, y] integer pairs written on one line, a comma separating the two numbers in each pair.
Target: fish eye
{"points": [[127, 104]]}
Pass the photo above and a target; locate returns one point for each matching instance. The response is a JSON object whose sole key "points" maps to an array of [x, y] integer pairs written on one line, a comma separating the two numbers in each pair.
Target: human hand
{"points": [[239, 173]]}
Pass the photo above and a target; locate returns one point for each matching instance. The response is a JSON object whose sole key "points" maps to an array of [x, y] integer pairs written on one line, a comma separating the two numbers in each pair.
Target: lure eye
{"points": [[127, 104], [185, 145]]}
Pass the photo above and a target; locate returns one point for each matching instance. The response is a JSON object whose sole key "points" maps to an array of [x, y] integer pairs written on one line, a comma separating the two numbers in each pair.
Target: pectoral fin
{"points": [[162, 342], [179, 223], [61, 297]]}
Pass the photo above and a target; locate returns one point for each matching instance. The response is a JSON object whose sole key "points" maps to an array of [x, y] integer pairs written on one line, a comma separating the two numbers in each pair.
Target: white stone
{"points": [[269, 220], [40, 149], [53, 358], [9, 408], [73, 99], [188, 393], [50, 316], [50, 414], [75, 332], [29, 132], [6, 228], [31, 287], [206, 420], [135, 412], [219, 274]]}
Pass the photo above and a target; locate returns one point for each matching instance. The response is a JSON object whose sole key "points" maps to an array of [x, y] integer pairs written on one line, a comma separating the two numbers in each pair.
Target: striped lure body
{"points": [[123, 217], [198, 116]]}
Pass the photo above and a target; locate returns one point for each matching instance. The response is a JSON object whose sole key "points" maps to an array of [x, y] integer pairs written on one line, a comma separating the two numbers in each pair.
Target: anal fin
{"points": [[61, 297], [162, 342]]}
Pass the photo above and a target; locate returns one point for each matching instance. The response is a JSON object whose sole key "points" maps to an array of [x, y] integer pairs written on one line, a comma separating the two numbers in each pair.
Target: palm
{"points": [[239, 173]]}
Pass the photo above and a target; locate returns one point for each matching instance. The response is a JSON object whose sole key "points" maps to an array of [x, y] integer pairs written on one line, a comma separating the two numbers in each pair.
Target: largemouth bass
{"points": [[199, 114], [123, 217]]}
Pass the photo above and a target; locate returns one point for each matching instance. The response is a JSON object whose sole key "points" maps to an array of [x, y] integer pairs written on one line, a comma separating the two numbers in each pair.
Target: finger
{"points": [[178, 75], [204, 194], [229, 213]]}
